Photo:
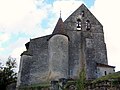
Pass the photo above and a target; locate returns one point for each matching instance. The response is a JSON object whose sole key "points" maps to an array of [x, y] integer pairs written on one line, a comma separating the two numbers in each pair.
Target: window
{"points": [[78, 24], [88, 25], [82, 14], [105, 73], [71, 72]]}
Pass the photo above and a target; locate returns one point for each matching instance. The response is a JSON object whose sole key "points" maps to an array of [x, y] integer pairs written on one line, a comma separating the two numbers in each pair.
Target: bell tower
{"points": [[86, 46]]}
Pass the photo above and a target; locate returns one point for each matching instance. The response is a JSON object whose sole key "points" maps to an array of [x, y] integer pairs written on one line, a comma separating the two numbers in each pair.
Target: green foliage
{"points": [[80, 84], [35, 86], [7, 74], [62, 88], [108, 77], [111, 81]]}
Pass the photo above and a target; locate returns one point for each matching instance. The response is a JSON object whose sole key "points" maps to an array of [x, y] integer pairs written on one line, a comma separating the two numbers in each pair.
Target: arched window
{"points": [[88, 25]]}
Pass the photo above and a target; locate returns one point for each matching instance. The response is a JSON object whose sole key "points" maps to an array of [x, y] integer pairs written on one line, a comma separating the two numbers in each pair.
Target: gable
{"points": [[71, 21]]}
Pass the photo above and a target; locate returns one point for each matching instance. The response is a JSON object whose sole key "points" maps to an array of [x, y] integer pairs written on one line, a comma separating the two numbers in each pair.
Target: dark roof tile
{"points": [[59, 28], [104, 65]]}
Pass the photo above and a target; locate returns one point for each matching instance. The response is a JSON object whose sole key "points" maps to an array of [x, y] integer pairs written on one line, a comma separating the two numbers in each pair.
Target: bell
{"points": [[79, 20]]}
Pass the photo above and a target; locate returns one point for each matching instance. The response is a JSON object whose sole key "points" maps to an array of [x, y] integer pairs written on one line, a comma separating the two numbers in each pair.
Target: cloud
{"points": [[17, 48], [107, 12], [21, 15], [66, 7], [4, 37], [12, 11], [17, 52], [1, 49]]}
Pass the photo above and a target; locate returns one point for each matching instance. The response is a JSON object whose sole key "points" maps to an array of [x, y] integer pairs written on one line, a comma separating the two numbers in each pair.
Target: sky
{"points": [[22, 20]]}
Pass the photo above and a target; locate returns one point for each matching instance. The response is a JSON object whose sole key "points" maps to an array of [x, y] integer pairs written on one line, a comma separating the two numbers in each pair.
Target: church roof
{"points": [[59, 28], [104, 65], [26, 53]]}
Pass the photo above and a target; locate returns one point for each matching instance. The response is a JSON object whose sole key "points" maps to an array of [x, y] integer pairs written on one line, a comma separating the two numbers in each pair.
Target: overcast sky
{"points": [[21, 20]]}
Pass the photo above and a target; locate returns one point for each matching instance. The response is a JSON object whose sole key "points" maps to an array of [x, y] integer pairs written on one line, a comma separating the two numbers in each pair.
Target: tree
{"points": [[7, 73]]}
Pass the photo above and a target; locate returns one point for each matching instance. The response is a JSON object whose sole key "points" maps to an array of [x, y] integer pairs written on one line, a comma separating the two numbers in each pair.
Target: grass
{"points": [[35, 86], [114, 76]]}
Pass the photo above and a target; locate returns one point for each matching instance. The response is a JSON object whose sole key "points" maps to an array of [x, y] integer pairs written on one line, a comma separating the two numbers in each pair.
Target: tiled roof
{"points": [[59, 28], [104, 65]]}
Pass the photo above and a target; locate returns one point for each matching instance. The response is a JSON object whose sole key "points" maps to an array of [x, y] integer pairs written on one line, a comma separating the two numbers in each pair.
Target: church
{"points": [[74, 44]]}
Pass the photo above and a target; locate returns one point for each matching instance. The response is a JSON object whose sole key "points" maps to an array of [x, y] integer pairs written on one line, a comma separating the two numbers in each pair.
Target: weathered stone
{"points": [[58, 57]]}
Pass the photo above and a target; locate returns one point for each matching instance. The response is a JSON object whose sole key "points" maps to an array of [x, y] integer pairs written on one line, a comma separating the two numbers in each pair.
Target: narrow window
{"points": [[82, 14], [105, 73], [71, 72], [88, 25], [78, 24]]}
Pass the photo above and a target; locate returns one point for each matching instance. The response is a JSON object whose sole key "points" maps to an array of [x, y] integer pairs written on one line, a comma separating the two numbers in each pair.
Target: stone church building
{"points": [[74, 44]]}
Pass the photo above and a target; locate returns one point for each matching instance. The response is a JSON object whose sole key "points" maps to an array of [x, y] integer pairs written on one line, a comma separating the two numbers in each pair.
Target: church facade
{"points": [[76, 43]]}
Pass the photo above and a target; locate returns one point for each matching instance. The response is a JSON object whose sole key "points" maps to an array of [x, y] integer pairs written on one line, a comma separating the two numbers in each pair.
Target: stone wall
{"points": [[75, 54], [58, 57], [24, 70], [40, 65], [102, 71]]}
